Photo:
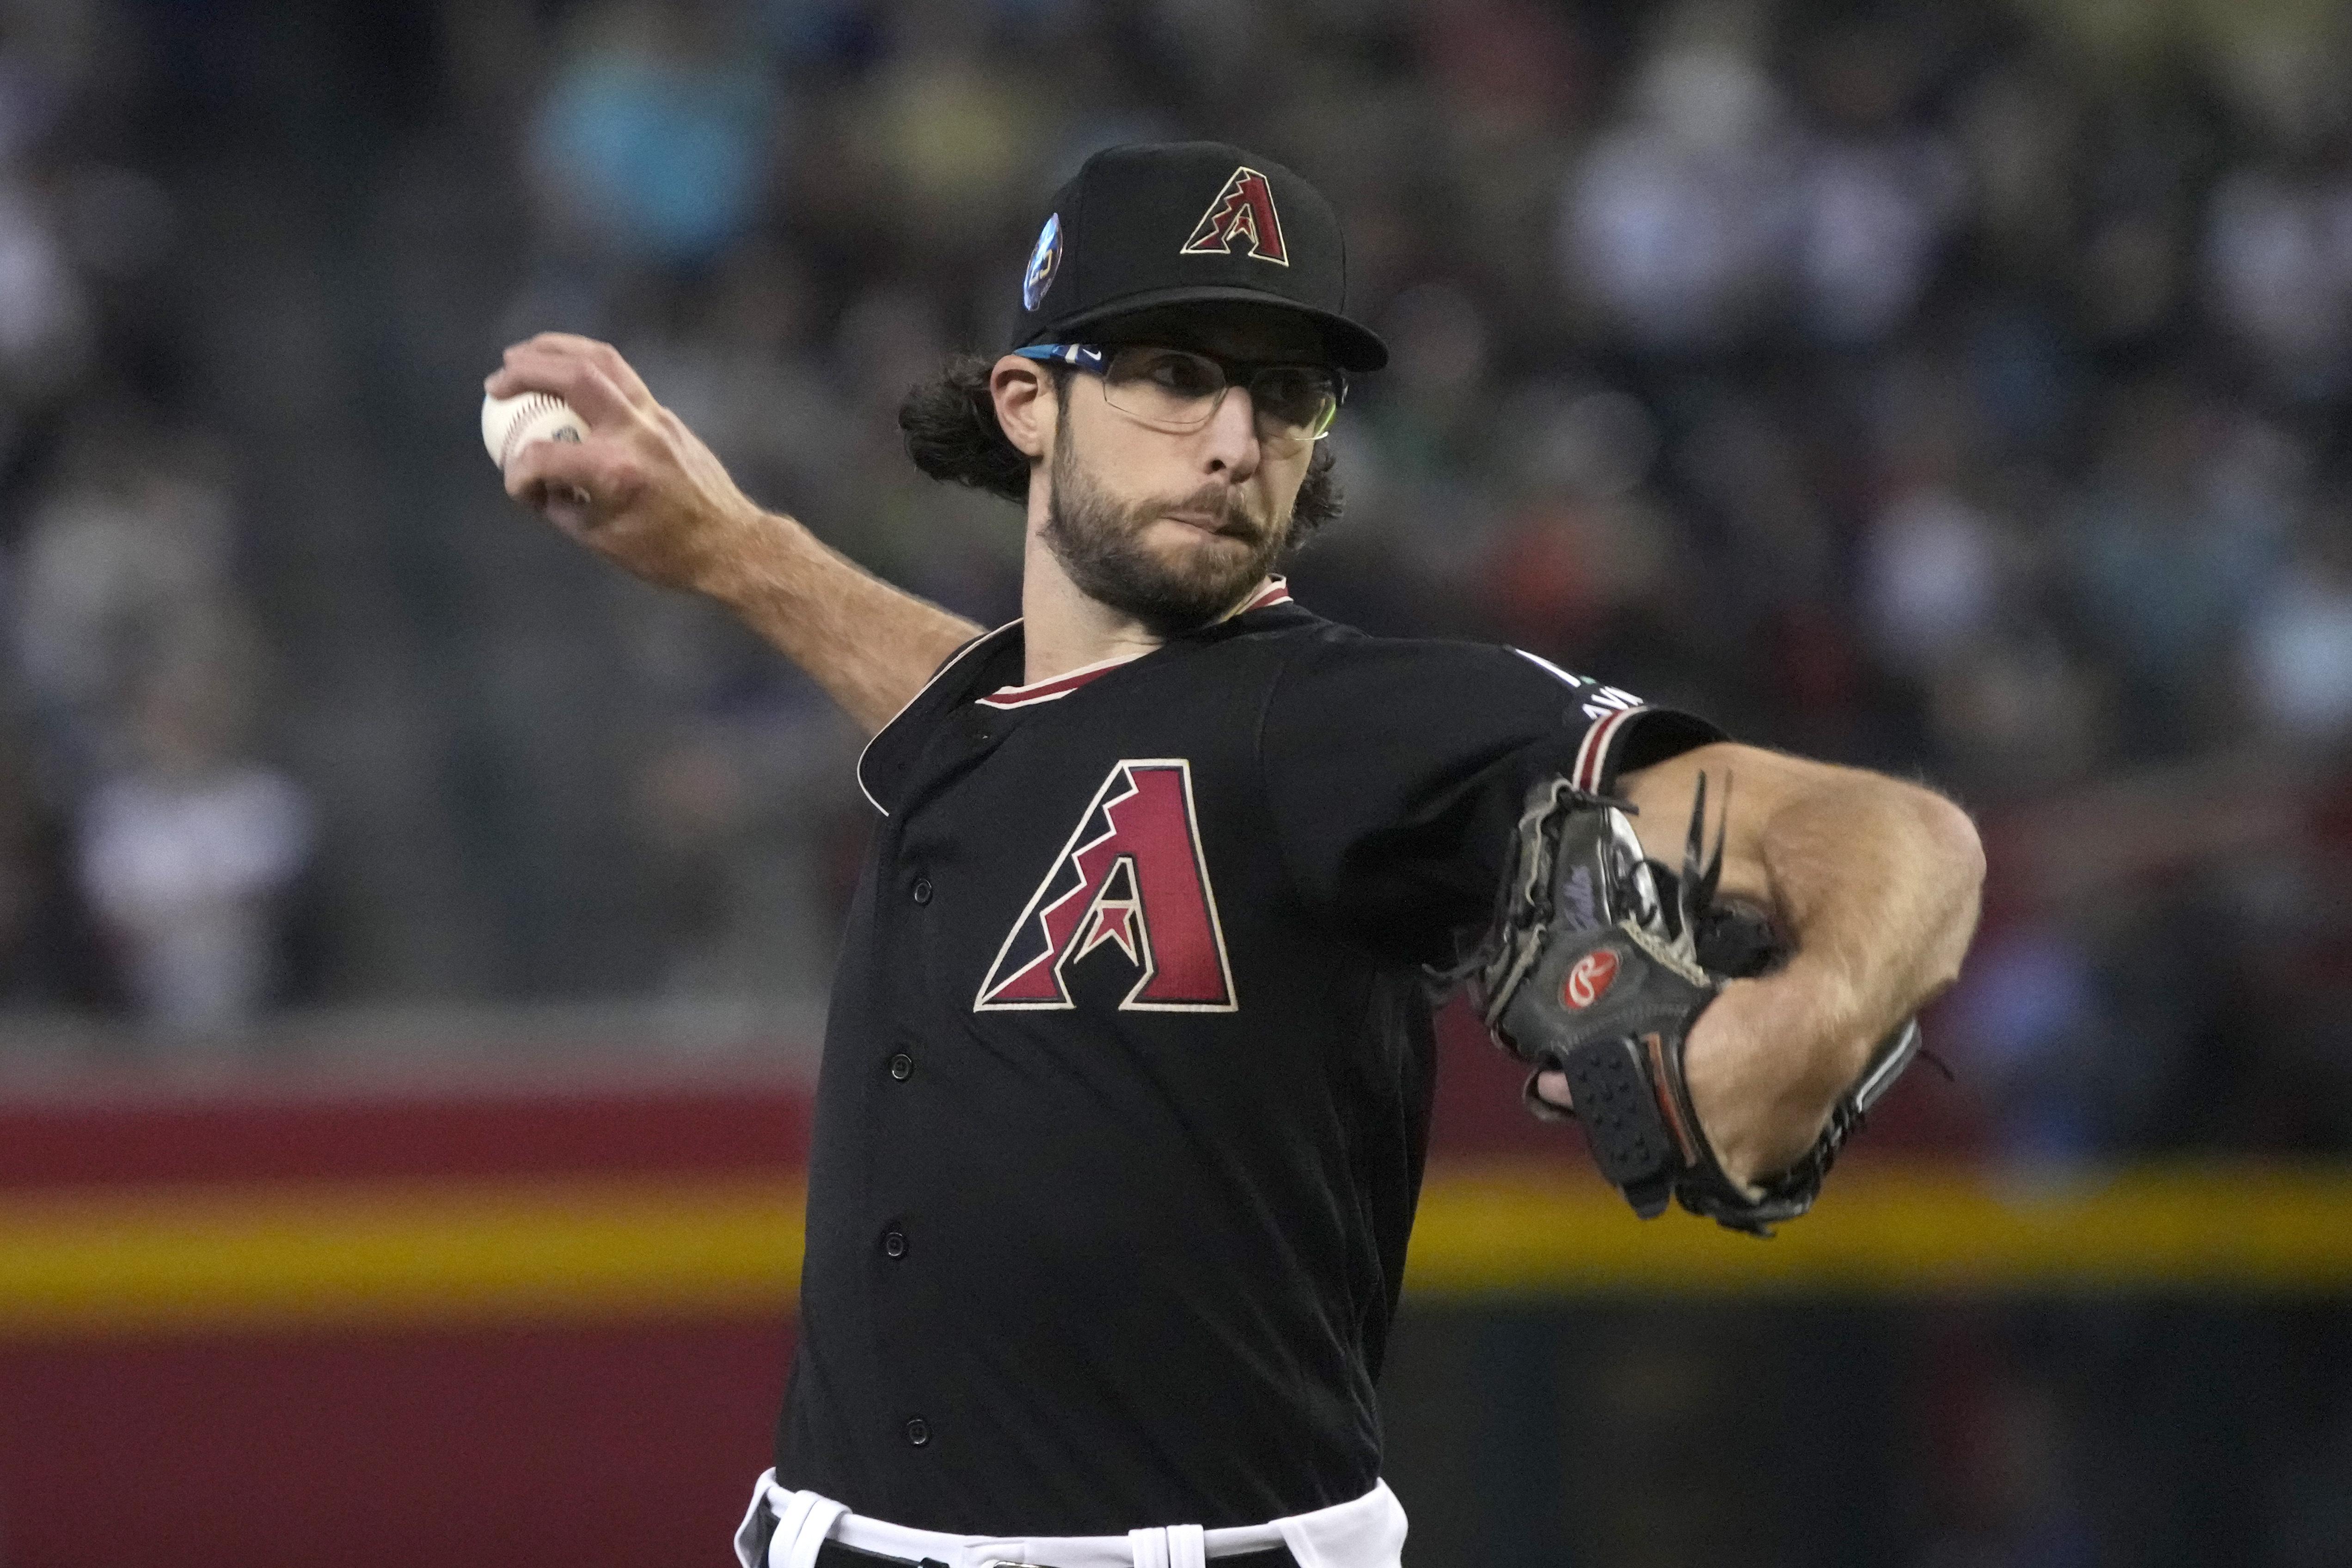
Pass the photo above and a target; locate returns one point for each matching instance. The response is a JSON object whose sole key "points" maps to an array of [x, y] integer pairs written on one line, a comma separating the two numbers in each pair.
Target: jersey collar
{"points": [[1275, 591], [1059, 686], [892, 752]]}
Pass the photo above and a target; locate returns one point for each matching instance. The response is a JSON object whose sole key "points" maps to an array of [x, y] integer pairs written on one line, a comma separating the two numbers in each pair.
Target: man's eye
{"points": [[1297, 395], [1183, 374]]}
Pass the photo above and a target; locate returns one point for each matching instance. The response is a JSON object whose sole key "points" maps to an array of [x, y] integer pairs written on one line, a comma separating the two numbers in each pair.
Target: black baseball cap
{"points": [[1183, 223]]}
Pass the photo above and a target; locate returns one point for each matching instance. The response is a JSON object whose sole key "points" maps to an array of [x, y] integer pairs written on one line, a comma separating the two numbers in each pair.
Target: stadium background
{"points": [[413, 936]]}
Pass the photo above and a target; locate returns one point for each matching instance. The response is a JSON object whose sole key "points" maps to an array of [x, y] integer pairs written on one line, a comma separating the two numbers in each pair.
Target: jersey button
{"points": [[922, 889], [919, 1432], [894, 1244], [902, 1067]]}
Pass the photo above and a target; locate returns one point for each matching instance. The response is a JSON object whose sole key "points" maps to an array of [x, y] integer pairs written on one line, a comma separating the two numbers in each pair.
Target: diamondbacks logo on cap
{"points": [[1242, 211], [1044, 262]]}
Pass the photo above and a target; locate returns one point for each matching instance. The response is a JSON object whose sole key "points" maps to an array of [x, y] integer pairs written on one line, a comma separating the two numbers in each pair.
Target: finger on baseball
{"points": [[545, 467], [573, 514], [524, 366], [550, 350], [579, 382], [557, 345], [607, 358]]}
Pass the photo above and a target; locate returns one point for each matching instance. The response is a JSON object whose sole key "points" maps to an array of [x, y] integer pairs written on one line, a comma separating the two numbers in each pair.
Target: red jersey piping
{"points": [[1275, 591]]}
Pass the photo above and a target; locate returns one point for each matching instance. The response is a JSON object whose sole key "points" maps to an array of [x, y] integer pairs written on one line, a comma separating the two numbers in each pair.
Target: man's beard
{"points": [[1099, 543]]}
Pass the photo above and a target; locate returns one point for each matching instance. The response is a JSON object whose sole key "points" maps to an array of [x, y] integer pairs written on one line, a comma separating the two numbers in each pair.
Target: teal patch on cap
{"points": [[1044, 262]]}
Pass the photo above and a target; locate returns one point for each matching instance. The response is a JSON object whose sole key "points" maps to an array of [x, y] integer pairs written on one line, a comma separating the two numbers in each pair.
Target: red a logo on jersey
{"points": [[1133, 877], [1243, 210]]}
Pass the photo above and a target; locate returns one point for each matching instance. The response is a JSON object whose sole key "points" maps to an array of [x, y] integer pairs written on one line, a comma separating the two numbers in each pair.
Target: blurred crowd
{"points": [[1957, 389], [145, 849]]}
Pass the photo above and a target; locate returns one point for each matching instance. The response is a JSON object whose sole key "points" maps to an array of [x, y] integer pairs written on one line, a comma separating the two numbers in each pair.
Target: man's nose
{"points": [[1233, 445]]}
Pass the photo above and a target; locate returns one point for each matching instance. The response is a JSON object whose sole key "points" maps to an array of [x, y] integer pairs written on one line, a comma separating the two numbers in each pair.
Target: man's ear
{"points": [[1027, 409]]}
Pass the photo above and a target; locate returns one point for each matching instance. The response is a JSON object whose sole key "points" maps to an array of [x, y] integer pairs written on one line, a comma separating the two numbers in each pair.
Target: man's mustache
{"points": [[1227, 503]]}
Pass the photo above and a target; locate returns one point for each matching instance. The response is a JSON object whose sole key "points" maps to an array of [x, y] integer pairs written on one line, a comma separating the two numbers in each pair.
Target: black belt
{"points": [[834, 1555]]}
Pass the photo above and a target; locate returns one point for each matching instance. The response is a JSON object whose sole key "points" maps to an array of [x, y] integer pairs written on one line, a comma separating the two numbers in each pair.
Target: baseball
{"points": [[511, 423]]}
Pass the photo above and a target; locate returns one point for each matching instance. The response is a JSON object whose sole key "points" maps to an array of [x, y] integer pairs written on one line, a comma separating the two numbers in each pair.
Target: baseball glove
{"points": [[1597, 964]]}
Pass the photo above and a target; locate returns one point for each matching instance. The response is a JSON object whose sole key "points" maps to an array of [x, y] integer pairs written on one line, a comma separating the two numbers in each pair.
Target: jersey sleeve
{"points": [[1395, 772]]}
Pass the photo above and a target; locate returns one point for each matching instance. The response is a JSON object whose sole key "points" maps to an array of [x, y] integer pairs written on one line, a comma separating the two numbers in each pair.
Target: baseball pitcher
{"points": [[1127, 1078]]}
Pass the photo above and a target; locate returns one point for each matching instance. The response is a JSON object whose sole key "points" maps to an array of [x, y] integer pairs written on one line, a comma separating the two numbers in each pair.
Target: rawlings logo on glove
{"points": [[1598, 964], [1588, 982]]}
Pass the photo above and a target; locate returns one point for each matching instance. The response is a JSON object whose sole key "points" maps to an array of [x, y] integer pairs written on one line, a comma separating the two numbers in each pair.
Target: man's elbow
{"points": [[1954, 867], [1950, 833]]}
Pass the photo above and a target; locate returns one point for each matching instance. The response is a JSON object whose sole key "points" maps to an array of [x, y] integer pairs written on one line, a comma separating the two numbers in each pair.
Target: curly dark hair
{"points": [[949, 424]]}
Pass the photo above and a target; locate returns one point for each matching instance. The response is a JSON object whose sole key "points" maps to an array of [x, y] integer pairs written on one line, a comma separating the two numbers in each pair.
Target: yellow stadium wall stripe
{"points": [[392, 1255], [141, 1260], [1506, 1230]]}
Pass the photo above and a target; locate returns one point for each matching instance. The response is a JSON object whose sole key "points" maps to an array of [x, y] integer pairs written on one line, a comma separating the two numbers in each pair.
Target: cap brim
{"points": [[1346, 343]]}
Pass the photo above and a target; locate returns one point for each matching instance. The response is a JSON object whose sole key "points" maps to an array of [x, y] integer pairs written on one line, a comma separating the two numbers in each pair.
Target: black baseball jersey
{"points": [[1127, 1080]]}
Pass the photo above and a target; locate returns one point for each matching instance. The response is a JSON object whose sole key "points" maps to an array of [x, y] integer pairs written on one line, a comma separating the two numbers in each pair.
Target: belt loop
{"points": [[802, 1526], [1170, 1546]]}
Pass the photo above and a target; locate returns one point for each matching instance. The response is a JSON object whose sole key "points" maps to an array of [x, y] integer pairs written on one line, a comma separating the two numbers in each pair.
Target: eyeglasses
{"points": [[1179, 391]]}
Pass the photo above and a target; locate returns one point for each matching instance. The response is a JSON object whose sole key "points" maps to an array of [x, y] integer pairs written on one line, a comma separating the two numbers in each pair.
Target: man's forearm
{"points": [[870, 645], [1876, 883], [643, 492]]}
